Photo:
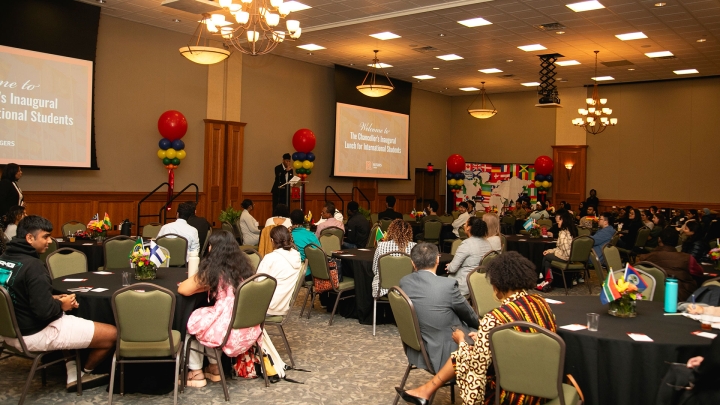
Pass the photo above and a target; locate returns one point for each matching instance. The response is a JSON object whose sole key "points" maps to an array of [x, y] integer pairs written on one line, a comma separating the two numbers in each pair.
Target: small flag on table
{"points": [[609, 291], [93, 222], [632, 276], [106, 224], [156, 254], [379, 234], [138, 246], [528, 224]]}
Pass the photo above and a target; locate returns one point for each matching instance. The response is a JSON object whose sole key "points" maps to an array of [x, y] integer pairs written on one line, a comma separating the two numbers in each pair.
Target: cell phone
{"points": [[468, 339]]}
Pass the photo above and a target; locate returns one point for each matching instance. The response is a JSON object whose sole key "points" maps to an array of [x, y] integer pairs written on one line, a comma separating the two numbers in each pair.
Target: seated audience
{"points": [[302, 237], [438, 304], [678, 265], [678, 218], [284, 264], [659, 225], [390, 212], [603, 235], [220, 273], [694, 242], [632, 226], [540, 211], [328, 219], [567, 232], [201, 224], [646, 217], [337, 214], [456, 224], [9, 221], [398, 238], [182, 228], [588, 221], [469, 253], [281, 215], [520, 213], [493, 230], [581, 212], [510, 275], [40, 314], [431, 212], [248, 225], [692, 215], [357, 228], [707, 218]]}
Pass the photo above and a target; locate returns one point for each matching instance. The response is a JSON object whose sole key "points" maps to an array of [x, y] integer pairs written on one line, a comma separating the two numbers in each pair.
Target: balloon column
{"points": [[455, 168], [172, 125], [543, 175], [303, 160]]}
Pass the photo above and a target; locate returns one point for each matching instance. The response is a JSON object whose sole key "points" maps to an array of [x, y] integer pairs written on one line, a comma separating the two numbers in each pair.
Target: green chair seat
{"points": [[571, 266], [347, 284], [150, 349], [383, 298], [570, 394], [274, 318]]}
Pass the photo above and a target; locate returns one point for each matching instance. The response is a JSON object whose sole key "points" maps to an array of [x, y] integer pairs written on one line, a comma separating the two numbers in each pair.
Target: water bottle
{"points": [[671, 293]]}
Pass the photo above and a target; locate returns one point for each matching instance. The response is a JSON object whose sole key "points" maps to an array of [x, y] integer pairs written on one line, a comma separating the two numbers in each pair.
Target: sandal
{"points": [[196, 379], [213, 376]]}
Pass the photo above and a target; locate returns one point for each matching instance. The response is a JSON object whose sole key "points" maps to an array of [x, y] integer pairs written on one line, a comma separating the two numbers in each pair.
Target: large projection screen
{"points": [[45, 109], [370, 143]]}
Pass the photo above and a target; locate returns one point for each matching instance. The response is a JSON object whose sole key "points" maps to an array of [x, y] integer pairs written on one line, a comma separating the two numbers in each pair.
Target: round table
{"points": [[93, 251], [609, 366], [532, 248], [357, 263]]}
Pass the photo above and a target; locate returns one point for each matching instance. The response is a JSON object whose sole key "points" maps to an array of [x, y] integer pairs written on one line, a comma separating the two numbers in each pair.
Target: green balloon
{"points": [[301, 170], [308, 171], [175, 161], [167, 161]]}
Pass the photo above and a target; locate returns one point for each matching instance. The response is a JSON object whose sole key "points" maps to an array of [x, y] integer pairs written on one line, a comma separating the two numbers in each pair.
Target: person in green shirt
{"points": [[302, 237]]}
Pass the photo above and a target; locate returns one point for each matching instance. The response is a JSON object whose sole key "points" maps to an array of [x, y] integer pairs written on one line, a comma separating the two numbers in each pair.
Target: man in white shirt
{"points": [[328, 216], [461, 219], [182, 228]]}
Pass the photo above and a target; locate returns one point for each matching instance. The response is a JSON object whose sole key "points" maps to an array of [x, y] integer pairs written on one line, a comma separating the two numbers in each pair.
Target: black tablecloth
{"points": [[609, 366], [359, 267], [93, 250], [532, 248]]}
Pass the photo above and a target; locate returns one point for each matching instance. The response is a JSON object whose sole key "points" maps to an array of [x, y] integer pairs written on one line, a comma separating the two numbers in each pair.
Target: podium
{"points": [[295, 189]]}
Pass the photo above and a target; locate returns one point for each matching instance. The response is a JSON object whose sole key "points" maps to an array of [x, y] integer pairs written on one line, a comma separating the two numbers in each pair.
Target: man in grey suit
{"points": [[438, 304]]}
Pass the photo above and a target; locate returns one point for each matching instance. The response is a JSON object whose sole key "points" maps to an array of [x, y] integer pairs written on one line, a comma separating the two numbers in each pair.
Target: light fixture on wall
{"points": [[595, 118], [372, 89], [482, 112], [568, 167], [430, 168], [204, 55]]}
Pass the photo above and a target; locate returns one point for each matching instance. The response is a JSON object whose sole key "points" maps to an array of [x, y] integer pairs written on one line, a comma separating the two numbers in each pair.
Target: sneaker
{"points": [[89, 381], [574, 282], [545, 286], [581, 280]]}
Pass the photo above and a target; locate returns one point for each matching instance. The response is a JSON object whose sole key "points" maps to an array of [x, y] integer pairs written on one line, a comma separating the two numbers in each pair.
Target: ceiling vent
{"points": [[426, 49], [554, 26], [193, 6], [617, 63]]}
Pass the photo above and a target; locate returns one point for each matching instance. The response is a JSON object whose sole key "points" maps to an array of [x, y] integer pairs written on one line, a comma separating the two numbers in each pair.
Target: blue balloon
{"points": [[165, 144], [301, 156], [310, 156], [178, 144], [450, 176], [539, 177], [549, 177], [295, 156], [459, 176]]}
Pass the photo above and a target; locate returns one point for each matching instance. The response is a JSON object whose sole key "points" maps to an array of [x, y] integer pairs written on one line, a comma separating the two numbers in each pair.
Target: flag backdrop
{"points": [[490, 184]]}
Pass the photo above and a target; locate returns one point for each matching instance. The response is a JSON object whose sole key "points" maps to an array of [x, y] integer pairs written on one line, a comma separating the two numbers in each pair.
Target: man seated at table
{"points": [[390, 212], [519, 212], [587, 220], [200, 223], [328, 216], [40, 314], [337, 215], [540, 212], [678, 265], [438, 304], [604, 234], [456, 224], [182, 228], [357, 228]]}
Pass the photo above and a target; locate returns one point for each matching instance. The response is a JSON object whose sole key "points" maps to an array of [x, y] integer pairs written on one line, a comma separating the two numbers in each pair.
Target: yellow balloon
{"points": [[171, 153], [549, 184], [307, 164], [181, 154], [161, 153], [297, 164], [460, 182], [546, 184], [452, 182], [538, 183]]}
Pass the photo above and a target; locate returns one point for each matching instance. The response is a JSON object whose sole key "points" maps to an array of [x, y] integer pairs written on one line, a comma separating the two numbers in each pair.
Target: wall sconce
{"points": [[429, 167], [568, 167]]}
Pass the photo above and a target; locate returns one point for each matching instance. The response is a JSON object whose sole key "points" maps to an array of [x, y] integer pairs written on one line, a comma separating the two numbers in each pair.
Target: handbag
{"points": [[321, 285]]}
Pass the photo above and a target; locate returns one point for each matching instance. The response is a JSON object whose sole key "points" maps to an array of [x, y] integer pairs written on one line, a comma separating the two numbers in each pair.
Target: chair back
{"points": [[53, 246], [252, 300], [317, 260], [431, 230], [659, 274], [203, 248], [612, 257], [481, 292], [151, 230], [713, 281], [177, 245], [66, 261], [73, 227], [649, 293], [545, 222], [8, 323], [144, 317], [580, 249], [407, 218], [455, 245], [642, 237], [614, 240], [407, 323], [455, 214], [503, 243], [299, 282], [374, 218], [479, 214], [598, 268], [117, 252], [582, 231], [509, 220], [489, 256], [265, 243], [253, 256], [392, 267], [385, 224], [227, 226], [371, 237], [334, 230], [461, 233], [166, 252], [330, 243], [512, 352], [446, 219]]}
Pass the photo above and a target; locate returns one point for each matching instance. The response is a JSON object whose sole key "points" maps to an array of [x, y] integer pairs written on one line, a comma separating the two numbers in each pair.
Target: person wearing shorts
{"points": [[40, 314]]}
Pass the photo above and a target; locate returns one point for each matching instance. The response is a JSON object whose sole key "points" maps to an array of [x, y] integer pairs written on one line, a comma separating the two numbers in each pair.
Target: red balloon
{"points": [[172, 125], [544, 165], [455, 163], [303, 140]]}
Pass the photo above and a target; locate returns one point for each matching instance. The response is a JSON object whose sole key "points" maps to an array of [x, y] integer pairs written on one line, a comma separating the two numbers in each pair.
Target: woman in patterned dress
{"points": [[511, 275], [398, 238]]}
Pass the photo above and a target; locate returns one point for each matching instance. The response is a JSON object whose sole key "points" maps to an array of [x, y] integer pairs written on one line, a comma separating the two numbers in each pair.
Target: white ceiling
{"points": [[344, 26]]}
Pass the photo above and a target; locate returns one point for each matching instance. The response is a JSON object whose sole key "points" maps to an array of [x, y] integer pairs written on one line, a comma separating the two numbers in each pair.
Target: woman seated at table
{"points": [[469, 253], [694, 242], [221, 271], [302, 237], [493, 230], [9, 221], [646, 217], [659, 225], [633, 223], [581, 212], [284, 264], [281, 216], [398, 238], [510, 275], [248, 225], [567, 232]]}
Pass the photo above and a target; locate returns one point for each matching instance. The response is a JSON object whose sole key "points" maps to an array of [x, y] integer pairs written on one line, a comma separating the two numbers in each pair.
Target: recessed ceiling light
{"points": [[380, 65], [469, 88], [508, 60], [660, 54], [474, 22], [585, 6], [311, 47], [602, 78], [660, 4], [701, 40], [491, 70], [424, 77], [446, 88], [101, 1], [560, 32], [385, 35], [567, 62], [631, 69], [630, 36], [352, 64], [451, 56], [685, 71], [533, 47], [295, 6], [175, 20], [441, 35], [530, 84], [310, 53], [436, 68]]}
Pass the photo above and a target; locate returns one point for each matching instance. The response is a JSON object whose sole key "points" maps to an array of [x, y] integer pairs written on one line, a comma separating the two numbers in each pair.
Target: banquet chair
{"points": [[334, 230], [455, 214], [374, 218], [66, 261], [640, 242], [461, 233], [371, 237], [658, 273], [545, 222], [481, 292], [73, 227], [408, 218], [578, 260], [252, 300], [392, 267], [583, 231], [650, 281], [508, 224], [513, 350], [203, 249], [151, 230], [177, 245], [166, 252], [278, 321], [713, 281], [446, 219], [144, 322], [595, 260], [409, 328], [455, 245], [53, 246], [431, 231], [10, 330], [479, 214], [613, 261], [503, 243], [317, 260], [117, 252], [330, 243], [384, 224], [254, 257], [489, 256]]}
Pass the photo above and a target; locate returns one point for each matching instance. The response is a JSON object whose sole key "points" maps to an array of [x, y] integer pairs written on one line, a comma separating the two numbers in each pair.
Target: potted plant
{"points": [[231, 216]]}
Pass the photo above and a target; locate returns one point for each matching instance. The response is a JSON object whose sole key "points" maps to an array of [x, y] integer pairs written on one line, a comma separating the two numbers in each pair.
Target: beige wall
{"points": [[139, 74]]}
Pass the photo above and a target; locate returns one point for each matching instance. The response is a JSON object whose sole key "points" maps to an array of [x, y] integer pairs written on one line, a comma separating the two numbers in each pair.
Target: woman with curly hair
{"points": [[398, 238], [510, 275], [9, 221], [220, 273], [469, 253]]}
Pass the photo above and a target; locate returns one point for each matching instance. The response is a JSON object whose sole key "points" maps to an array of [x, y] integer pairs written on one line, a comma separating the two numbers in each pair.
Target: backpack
{"points": [[709, 295]]}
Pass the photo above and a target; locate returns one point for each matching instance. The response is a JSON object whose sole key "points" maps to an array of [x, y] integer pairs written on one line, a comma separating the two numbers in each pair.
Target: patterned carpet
{"points": [[347, 366]]}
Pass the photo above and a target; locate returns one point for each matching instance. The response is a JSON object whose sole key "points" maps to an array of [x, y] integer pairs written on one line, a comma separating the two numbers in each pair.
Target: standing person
{"points": [[10, 193], [283, 174], [567, 232], [200, 223], [592, 201], [9, 221], [398, 238], [248, 224], [357, 228], [181, 227]]}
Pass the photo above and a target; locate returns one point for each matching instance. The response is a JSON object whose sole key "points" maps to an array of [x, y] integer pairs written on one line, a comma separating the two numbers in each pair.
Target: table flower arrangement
{"points": [[417, 215], [145, 269], [308, 220], [623, 293], [715, 256], [535, 230], [97, 228]]}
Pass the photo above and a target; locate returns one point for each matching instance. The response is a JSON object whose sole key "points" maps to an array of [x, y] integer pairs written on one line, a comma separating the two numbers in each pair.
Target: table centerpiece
{"points": [[715, 256], [145, 261], [97, 229], [622, 294]]}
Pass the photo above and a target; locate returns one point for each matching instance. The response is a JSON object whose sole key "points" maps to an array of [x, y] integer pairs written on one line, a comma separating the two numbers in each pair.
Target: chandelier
{"points": [[204, 55], [482, 113], [595, 118], [371, 89]]}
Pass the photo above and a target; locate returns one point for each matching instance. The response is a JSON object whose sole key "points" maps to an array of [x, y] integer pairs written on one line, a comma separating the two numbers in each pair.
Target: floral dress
{"points": [[473, 362]]}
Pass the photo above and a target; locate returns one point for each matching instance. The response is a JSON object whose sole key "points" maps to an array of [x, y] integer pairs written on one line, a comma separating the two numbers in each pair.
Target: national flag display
{"points": [[491, 186], [379, 234], [609, 291], [156, 254], [633, 276]]}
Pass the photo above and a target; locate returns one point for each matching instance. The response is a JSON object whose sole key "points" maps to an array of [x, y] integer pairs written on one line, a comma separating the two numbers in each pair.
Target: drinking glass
{"points": [[125, 278], [593, 320]]}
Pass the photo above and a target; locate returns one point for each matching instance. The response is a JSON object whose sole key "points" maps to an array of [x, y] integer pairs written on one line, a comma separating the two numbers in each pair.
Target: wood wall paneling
{"points": [[570, 186], [224, 145]]}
